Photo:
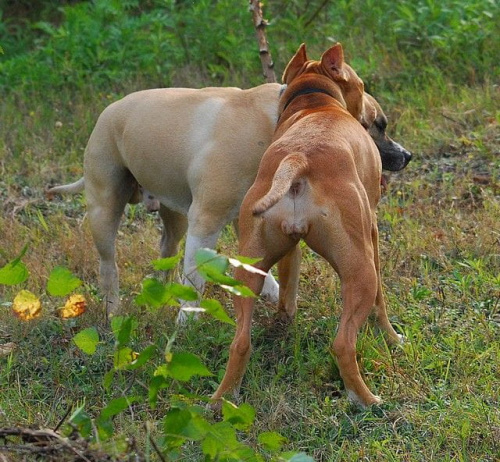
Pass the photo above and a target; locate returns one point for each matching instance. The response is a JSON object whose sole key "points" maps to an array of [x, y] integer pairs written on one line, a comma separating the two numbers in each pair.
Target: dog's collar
{"points": [[305, 91]]}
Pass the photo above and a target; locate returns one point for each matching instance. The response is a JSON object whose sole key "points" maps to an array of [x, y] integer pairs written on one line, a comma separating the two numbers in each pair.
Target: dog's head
{"points": [[394, 156], [334, 76]]}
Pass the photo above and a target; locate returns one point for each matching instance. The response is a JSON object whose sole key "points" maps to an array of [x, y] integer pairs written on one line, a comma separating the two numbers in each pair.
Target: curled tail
{"points": [[289, 170], [72, 188]]}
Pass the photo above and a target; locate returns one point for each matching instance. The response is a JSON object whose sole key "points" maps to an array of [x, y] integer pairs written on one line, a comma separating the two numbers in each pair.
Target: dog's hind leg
{"points": [[174, 227], [359, 288], [106, 197], [346, 244], [289, 272], [270, 290]]}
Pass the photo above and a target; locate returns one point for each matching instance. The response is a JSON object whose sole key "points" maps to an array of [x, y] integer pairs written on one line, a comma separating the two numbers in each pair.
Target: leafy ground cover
{"points": [[431, 64]]}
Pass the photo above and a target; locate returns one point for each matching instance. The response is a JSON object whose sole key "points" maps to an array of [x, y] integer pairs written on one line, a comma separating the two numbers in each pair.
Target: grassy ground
{"points": [[440, 238]]}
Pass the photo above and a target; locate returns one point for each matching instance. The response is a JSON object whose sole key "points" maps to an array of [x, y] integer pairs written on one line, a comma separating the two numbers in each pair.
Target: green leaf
{"points": [[87, 340], [123, 357], [221, 444], [243, 260], [214, 308], [241, 417], [117, 405], [211, 259], [155, 294], [222, 436], [165, 264], [81, 420], [240, 290], [14, 272], [144, 356], [108, 379], [122, 327], [272, 441], [157, 383], [247, 263], [182, 291], [62, 282], [182, 424], [183, 366], [213, 267]]}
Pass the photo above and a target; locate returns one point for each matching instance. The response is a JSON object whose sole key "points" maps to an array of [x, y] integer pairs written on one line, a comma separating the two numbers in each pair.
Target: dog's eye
{"points": [[381, 124]]}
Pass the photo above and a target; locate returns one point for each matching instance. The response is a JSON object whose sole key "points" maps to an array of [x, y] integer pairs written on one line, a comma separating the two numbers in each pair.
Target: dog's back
{"points": [[317, 151]]}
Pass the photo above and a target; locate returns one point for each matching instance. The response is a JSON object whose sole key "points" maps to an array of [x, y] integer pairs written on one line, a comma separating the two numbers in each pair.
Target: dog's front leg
{"points": [[380, 309]]}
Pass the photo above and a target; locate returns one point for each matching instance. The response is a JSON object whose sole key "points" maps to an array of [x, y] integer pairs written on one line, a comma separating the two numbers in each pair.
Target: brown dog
{"points": [[318, 181]]}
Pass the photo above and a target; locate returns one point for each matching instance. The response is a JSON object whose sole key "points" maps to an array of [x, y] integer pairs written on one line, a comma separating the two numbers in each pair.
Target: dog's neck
{"points": [[305, 91]]}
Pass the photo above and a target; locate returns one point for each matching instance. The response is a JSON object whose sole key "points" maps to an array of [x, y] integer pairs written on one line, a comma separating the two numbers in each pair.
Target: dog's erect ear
{"points": [[333, 60], [295, 64]]}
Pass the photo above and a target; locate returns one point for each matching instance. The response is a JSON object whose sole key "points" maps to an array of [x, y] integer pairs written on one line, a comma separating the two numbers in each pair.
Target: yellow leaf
{"points": [[75, 306], [26, 305]]}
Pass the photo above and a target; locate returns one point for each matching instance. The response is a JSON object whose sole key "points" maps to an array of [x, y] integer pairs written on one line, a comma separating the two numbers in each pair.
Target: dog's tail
{"points": [[289, 170], [72, 188]]}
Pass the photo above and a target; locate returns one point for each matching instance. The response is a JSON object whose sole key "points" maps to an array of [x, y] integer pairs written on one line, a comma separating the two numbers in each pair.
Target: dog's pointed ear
{"points": [[295, 64], [333, 61]]}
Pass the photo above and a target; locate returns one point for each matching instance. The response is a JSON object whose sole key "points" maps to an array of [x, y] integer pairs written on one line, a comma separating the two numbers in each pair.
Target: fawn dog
{"points": [[318, 181], [197, 151]]}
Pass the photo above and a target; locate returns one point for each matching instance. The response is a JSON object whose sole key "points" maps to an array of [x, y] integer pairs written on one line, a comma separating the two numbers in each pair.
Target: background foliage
{"points": [[434, 68]]}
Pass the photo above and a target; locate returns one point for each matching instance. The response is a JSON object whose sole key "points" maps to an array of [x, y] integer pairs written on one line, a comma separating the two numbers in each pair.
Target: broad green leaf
{"points": [[182, 424], [117, 405], [272, 441], [14, 272], [247, 264], [222, 437], [241, 417], [157, 383], [165, 264], [155, 294], [221, 444], [183, 366], [87, 340], [213, 267], [108, 379], [122, 327], [240, 259], [62, 282], [182, 291], [211, 259], [215, 309], [81, 420], [123, 357], [241, 291], [144, 356]]}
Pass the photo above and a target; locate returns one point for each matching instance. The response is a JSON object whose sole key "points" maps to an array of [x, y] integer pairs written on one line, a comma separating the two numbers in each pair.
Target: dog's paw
{"points": [[364, 402]]}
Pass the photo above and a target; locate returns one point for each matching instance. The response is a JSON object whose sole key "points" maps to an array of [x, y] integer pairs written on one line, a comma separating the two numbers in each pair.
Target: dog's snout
{"points": [[407, 156]]}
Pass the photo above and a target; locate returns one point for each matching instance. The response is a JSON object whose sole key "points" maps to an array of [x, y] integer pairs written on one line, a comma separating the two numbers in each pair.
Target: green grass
{"points": [[439, 230]]}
